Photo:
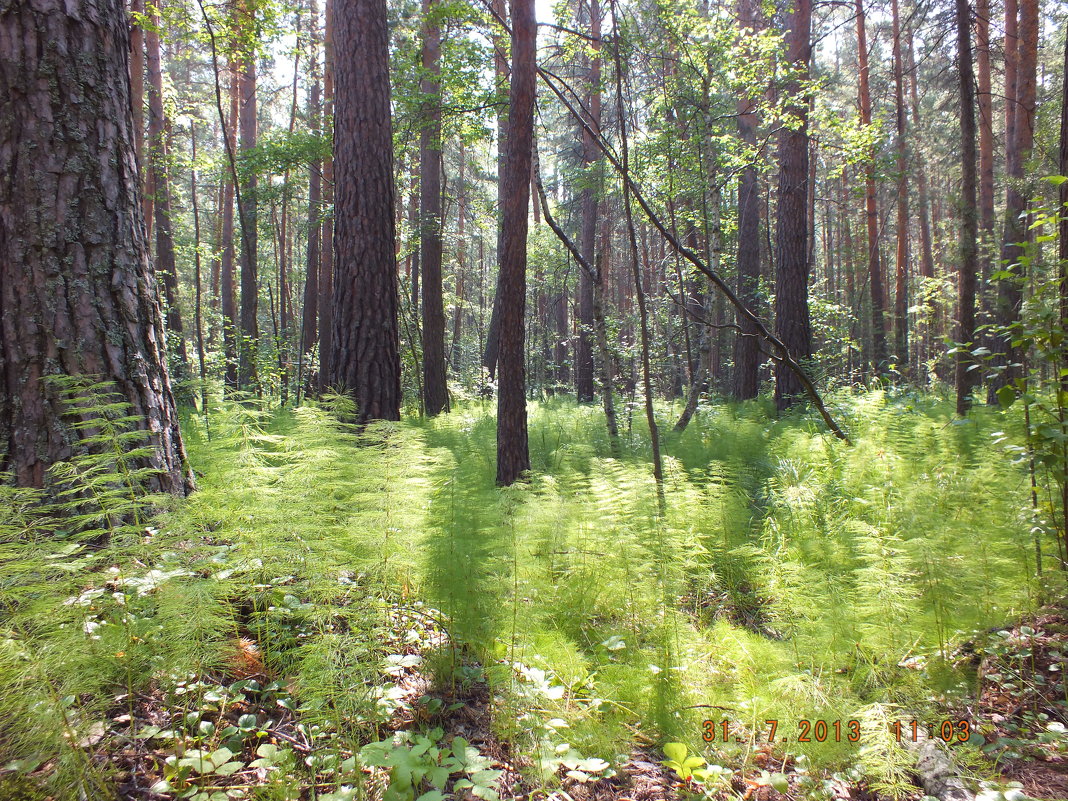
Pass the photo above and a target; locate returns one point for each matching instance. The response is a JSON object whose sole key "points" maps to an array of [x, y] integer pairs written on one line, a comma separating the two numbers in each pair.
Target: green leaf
{"points": [[780, 782], [675, 752], [1006, 397], [228, 768], [221, 756]]}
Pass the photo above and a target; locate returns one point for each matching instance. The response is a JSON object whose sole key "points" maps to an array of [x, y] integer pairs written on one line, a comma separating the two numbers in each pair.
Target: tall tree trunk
{"points": [[639, 290], [969, 221], [1016, 235], [588, 202], [166, 266], [986, 135], [285, 311], [1062, 196], [435, 391], [901, 299], [137, 82], [461, 260], [229, 251], [791, 235], [875, 274], [77, 294], [326, 274], [746, 344], [513, 457], [704, 360], [366, 360], [926, 250], [500, 65], [198, 305], [249, 343], [310, 315]]}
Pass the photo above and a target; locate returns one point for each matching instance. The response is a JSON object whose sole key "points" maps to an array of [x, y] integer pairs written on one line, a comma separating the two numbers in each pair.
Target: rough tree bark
{"points": [[366, 360], [791, 235], [435, 391], [969, 221], [77, 292], [513, 458]]}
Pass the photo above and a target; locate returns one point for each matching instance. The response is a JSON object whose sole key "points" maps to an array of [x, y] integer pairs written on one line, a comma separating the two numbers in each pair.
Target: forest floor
{"points": [[337, 615]]}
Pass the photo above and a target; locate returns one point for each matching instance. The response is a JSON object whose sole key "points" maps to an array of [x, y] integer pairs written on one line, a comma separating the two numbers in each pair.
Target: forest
{"points": [[599, 400]]}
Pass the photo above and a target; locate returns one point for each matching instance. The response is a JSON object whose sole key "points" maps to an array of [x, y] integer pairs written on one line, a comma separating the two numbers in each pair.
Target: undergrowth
{"points": [[270, 618]]}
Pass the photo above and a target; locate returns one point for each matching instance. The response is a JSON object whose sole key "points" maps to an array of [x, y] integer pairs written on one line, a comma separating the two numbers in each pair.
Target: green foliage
{"points": [[788, 577]]}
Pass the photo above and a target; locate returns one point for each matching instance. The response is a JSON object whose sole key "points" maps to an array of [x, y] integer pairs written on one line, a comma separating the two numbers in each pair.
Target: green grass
{"points": [[790, 576]]}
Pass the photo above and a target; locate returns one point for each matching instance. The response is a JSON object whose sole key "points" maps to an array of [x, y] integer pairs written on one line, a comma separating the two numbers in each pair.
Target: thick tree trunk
{"points": [[875, 273], [77, 293], [249, 343], [366, 361], [513, 458], [969, 221], [746, 344], [166, 265], [435, 391], [791, 235]]}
